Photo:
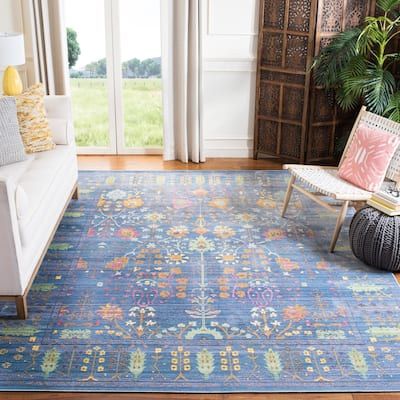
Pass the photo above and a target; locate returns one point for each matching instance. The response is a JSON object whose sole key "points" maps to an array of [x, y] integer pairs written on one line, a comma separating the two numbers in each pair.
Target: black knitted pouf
{"points": [[375, 238]]}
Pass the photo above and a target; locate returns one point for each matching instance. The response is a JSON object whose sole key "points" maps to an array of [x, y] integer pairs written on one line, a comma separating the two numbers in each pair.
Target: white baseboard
{"points": [[229, 153]]}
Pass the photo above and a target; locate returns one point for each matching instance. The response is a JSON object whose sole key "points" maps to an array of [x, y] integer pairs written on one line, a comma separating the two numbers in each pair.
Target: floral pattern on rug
{"points": [[192, 282]]}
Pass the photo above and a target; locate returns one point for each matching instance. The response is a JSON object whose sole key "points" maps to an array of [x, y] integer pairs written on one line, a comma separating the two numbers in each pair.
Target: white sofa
{"points": [[33, 197]]}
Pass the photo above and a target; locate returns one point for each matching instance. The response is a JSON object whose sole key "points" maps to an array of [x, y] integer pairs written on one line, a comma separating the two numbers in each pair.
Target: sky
{"points": [[139, 28]]}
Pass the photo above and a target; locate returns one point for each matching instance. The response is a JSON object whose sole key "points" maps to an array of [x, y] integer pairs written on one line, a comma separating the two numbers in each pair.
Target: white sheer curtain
{"points": [[181, 71], [44, 20]]}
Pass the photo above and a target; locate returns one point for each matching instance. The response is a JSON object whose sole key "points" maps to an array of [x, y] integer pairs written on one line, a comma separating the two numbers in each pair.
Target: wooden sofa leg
{"points": [[339, 223], [75, 195], [22, 309], [288, 195]]}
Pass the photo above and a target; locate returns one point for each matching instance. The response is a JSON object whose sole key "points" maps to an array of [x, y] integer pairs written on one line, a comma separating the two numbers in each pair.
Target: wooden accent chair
{"points": [[324, 181]]}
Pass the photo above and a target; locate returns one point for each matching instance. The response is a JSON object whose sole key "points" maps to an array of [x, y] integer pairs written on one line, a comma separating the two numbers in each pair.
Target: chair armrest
{"points": [[10, 243], [59, 114]]}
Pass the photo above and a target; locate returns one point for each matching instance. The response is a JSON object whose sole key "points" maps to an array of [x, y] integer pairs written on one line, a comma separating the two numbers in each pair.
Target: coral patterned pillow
{"points": [[368, 158]]}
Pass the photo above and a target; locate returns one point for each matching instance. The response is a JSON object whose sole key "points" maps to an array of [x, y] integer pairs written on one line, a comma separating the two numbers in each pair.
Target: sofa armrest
{"points": [[10, 243], [58, 107], [62, 131], [59, 114]]}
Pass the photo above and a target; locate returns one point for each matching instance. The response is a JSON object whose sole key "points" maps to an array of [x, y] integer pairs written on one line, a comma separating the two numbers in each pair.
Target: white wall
{"points": [[10, 16], [229, 50], [11, 20]]}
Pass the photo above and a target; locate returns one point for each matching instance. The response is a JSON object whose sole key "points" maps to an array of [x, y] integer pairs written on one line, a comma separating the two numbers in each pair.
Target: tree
{"points": [[74, 50], [102, 67], [155, 68], [97, 69], [132, 68], [358, 64], [135, 68], [151, 67]]}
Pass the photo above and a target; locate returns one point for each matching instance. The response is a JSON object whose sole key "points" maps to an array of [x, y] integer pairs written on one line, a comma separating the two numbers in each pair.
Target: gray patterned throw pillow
{"points": [[11, 146]]}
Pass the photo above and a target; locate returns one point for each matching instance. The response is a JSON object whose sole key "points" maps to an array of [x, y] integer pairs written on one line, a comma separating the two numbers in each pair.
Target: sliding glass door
{"points": [[141, 72], [90, 88], [114, 54]]}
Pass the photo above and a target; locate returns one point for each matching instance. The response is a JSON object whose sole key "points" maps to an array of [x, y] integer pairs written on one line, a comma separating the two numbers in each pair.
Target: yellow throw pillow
{"points": [[32, 120]]}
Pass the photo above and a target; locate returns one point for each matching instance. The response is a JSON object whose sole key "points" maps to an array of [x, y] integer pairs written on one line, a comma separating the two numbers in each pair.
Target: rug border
{"points": [[198, 392]]}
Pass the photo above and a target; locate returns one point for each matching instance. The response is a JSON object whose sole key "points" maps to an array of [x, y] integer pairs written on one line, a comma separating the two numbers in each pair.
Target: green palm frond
{"points": [[335, 57], [393, 109], [364, 45], [352, 81], [372, 34], [388, 5], [349, 94], [393, 57], [379, 88], [345, 101], [357, 66]]}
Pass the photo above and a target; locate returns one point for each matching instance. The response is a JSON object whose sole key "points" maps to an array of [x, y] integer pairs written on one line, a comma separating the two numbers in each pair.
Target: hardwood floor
{"points": [[156, 163], [142, 163]]}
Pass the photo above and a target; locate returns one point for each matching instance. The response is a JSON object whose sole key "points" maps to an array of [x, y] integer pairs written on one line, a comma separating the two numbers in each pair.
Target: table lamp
{"points": [[12, 52]]}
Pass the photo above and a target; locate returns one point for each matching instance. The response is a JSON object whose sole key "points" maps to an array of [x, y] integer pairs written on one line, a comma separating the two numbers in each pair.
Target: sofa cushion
{"points": [[35, 235], [14, 171], [45, 173]]}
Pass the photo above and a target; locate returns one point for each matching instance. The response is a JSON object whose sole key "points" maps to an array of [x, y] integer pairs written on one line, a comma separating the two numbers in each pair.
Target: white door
{"points": [[116, 77]]}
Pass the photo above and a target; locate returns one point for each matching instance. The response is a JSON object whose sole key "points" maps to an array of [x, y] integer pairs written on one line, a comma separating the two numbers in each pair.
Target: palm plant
{"points": [[358, 64]]}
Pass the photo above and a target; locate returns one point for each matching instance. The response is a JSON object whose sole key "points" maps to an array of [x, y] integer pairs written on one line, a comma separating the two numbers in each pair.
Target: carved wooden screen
{"points": [[285, 53], [294, 120], [327, 121]]}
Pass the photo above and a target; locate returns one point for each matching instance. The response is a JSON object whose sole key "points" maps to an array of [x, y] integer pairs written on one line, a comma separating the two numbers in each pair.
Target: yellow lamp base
{"points": [[12, 84]]}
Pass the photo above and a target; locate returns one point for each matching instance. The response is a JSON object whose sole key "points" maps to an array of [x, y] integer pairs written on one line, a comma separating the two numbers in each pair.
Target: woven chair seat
{"points": [[325, 180]]}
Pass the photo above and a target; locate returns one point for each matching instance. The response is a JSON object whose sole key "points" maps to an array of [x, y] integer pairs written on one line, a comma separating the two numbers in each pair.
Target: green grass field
{"points": [[142, 112]]}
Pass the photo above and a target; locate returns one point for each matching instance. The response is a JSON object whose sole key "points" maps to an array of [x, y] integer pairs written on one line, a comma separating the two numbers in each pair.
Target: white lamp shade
{"points": [[12, 49]]}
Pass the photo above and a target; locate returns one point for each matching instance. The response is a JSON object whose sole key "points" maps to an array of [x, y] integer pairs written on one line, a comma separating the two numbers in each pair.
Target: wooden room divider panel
{"points": [[295, 120]]}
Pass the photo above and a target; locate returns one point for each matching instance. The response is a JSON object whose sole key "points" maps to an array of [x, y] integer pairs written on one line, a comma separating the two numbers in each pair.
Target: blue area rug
{"points": [[192, 282]]}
